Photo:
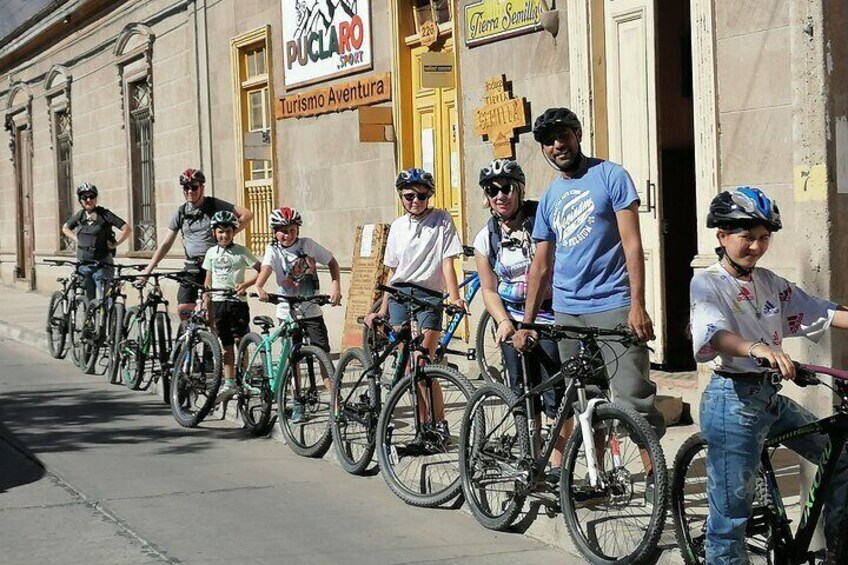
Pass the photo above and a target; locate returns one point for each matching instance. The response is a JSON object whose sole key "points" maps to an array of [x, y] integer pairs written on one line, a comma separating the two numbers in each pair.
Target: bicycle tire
{"points": [[481, 459], [133, 359], [163, 354], [116, 319], [255, 384], [488, 352], [195, 384], [367, 331], [312, 436], [354, 423], [439, 448], [57, 325], [80, 305], [608, 419], [688, 493], [93, 336]]}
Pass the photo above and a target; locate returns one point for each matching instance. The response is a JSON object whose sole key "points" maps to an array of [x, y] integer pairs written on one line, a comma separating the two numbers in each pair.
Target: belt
{"points": [[768, 377]]}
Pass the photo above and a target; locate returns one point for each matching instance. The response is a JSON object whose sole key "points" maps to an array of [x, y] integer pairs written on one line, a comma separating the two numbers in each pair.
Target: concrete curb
{"points": [[24, 335]]}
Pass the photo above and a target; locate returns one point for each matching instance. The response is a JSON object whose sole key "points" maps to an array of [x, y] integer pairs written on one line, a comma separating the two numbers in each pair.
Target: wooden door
{"points": [[632, 122], [25, 249]]}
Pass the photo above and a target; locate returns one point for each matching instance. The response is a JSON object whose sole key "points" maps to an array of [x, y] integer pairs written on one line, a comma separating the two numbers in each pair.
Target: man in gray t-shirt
{"points": [[192, 219]]}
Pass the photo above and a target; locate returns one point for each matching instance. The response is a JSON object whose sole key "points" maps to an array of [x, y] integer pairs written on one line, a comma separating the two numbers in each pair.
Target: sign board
{"points": [[367, 271], [429, 33], [323, 39], [491, 20], [336, 97], [437, 70], [499, 117]]}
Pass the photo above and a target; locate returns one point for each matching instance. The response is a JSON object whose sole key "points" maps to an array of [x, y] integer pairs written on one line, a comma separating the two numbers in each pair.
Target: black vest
{"points": [[94, 236]]}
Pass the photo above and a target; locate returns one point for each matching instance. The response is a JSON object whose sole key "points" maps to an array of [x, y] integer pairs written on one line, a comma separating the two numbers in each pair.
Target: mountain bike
{"points": [[613, 479], [769, 537], [411, 430], [295, 377], [66, 306]]}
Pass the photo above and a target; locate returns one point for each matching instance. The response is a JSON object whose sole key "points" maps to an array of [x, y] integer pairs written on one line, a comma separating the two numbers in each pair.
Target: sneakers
{"points": [[226, 392], [297, 415]]}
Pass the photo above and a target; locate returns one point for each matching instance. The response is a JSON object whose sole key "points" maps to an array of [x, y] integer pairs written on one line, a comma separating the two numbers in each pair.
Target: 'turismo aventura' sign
{"points": [[323, 39], [490, 20]]}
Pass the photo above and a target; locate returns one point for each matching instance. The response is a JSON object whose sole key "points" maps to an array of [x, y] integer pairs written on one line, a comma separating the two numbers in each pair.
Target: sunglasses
{"points": [[85, 197], [191, 188], [492, 190], [420, 196], [561, 136]]}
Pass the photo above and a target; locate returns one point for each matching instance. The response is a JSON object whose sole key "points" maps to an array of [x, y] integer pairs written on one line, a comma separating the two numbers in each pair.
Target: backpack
{"points": [[529, 208]]}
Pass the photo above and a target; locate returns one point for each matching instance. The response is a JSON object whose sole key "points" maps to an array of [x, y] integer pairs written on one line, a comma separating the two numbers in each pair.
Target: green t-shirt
{"points": [[227, 265]]}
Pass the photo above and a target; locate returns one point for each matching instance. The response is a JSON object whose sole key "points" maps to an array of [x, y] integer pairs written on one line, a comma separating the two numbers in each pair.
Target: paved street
{"points": [[93, 473]]}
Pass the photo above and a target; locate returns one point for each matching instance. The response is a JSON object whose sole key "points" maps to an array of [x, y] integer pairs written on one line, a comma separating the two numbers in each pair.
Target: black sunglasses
{"points": [[191, 188], [492, 190], [561, 136], [84, 197], [420, 196]]}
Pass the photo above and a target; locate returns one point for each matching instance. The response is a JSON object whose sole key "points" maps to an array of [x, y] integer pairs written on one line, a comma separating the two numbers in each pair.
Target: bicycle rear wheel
{"points": [[304, 394], [419, 457], [493, 445], [57, 325], [93, 336], [196, 378], [116, 335], [256, 399], [80, 306], [488, 352], [356, 401], [619, 519]]}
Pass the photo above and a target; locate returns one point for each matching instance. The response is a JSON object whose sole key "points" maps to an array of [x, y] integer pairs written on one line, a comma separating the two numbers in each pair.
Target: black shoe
{"points": [[553, 476]]}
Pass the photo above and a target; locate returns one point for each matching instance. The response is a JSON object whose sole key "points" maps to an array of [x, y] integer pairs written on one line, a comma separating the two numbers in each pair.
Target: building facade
{"points": [[317, 103]]}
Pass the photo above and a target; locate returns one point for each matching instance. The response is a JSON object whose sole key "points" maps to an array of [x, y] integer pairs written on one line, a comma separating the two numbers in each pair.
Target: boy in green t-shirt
{"points": [[229, 315]]}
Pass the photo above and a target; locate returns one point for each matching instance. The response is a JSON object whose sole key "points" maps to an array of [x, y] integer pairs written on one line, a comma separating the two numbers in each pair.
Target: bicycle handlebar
{"points": [[318, 299], [403, 297], [558, 332]]}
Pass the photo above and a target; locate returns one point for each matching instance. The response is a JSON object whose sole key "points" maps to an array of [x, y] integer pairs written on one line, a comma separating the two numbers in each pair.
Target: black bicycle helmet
{"points": [[224, 219], [743, 208], [554, 118], [86, 188], [502, 169], [415, 176]]}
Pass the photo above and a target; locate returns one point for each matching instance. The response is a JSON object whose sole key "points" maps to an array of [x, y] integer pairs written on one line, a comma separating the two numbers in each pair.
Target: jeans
{"points": [[537, 373], [737, 416], [94, 280]]}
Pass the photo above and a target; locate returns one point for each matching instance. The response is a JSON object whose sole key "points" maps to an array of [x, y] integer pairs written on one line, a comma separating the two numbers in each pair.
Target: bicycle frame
{"points": [[276, 369], [471, 284]]}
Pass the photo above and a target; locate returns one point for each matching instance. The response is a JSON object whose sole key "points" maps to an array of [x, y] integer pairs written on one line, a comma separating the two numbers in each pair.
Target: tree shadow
{"points": [[19, 465]]}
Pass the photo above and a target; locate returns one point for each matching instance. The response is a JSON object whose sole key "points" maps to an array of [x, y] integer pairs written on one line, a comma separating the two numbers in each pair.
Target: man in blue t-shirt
{"points": [[587, 229]]}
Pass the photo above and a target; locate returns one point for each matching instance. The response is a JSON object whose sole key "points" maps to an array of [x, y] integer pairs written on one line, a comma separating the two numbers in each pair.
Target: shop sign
{"points": [[437, 70], [323, 39], [336, 97], [491, 20], [429, 33], [500, 116]]}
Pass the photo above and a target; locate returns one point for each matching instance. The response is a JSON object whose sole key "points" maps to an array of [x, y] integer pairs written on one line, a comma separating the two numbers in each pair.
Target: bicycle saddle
{"points": [[264, 322]]}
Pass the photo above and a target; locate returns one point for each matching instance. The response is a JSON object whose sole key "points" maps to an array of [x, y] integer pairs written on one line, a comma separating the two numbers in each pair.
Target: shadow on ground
{"points": [[18, 465]]}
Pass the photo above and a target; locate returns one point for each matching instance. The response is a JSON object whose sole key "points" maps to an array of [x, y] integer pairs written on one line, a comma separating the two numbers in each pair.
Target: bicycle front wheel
{"points": [[256, 398], [303, 402], [80, 306], [196, 378], [356, 401], [132, 356], [93, 336], [417, 436], [494, 444], [488, 352], [617, 517], [116, 336], [57, 325]]}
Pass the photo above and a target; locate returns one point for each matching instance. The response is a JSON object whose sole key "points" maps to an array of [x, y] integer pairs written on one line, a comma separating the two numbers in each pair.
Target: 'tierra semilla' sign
{"points": [[491, 20], [365, 91]]}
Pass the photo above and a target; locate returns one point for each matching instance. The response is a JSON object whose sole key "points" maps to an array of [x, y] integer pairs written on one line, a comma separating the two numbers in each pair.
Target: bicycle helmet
{"points": [[554, 118], [86, 188], [192, 176], [224, 219], [502, 169], [282, 217], [415, 176], [743, 208]]}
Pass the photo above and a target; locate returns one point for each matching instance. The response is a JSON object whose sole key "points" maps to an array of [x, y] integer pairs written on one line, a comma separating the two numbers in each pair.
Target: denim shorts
{"points": [[427, 319]]}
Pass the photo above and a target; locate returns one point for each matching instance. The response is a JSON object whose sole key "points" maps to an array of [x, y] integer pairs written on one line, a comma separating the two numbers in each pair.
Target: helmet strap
{"points": [[740, 270]]}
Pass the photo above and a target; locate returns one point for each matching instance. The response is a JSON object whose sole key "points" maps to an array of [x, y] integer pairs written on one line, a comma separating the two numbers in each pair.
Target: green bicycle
{"points": [[297, 381]]}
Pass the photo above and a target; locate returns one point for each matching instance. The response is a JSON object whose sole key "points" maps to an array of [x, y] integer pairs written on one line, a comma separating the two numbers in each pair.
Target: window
{"points": [[438, 11], [64, 178], [259, 120], [141, 163]]}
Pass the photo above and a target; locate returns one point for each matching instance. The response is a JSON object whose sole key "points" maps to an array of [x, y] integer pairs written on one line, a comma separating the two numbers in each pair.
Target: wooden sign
{"points": [[429, 33], [499, 117], [336, 97], [491, 20], [367, 271]]}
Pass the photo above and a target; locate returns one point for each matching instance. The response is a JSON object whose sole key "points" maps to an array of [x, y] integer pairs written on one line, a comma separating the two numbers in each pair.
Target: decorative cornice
{"points": [[125, 57]]}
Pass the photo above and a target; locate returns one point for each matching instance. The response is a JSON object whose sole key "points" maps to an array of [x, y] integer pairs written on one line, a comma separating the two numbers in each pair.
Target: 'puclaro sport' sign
{"points": [[323, 39], [490, 20]]}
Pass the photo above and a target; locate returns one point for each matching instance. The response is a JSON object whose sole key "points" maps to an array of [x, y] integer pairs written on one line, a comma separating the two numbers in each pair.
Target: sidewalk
{"points": [[23, 317]]}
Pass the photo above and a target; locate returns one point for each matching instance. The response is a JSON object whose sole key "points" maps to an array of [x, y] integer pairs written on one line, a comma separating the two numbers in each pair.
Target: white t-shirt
{"points": [[415, 249], [511, 267], [722, 302], [295, 269]]}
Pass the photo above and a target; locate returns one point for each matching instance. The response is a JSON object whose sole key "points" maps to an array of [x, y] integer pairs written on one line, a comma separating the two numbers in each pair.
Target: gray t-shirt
{"points": [[194, 223]]}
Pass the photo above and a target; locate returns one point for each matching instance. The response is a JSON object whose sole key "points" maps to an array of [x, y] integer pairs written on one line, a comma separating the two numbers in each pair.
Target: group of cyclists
{"points": [[575, 259]]}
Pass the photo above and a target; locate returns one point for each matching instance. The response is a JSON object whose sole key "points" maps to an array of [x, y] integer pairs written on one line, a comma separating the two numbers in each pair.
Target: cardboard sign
{"points": [[336, 97], [499, 117], [367, 271], [491, 20]]}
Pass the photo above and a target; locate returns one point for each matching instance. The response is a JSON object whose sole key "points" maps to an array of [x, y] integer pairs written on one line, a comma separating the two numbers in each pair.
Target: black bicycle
{"points": [[769, 536], [613, 479], [66, 312], [411, 431]]}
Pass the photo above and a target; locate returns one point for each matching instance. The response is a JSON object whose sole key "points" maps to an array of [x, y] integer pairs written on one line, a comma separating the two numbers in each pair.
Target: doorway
{"points": [[25, 247]]}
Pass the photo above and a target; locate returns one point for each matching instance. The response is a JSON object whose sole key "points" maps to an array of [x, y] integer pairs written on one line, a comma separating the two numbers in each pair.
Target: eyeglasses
{"points": [[409, 197], [84, 197], [493, 190], [191, 188]]}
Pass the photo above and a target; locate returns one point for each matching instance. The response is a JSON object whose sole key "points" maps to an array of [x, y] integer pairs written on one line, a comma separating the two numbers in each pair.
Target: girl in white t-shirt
{"points": [[741, 312]]}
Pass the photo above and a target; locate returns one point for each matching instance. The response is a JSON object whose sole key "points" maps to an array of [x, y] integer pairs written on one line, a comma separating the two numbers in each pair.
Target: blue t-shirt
{"points": [[590, 273]]}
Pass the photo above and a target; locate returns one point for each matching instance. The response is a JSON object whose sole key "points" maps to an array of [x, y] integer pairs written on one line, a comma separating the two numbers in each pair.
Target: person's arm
{"points": [[207, 300], [538, 276], [244, 217], [336, 284], [264, 272], [161, 251], [123, 235], [451, 283], [70, 234], [631, 240], [734, 345], [840, 318], [492, 300]]}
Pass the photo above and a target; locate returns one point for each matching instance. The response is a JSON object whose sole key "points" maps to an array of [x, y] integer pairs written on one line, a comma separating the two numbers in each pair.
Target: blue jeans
{"points": [[94, 280], [538, 373], [736, 418]]}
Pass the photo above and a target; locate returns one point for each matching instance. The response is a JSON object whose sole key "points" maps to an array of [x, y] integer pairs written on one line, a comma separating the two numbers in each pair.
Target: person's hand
{"points": [[369, 319], [776, 359], [241, 288], [459, 303], [141, 281], [111, 245], [506, 329], [263, 296], [640, 322], [335, 296], [523, 339]]}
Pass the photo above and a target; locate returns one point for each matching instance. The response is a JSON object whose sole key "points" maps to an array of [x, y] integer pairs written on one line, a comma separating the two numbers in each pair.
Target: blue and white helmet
{"points": [[744, 207], [415, 176], [224, 219]]}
